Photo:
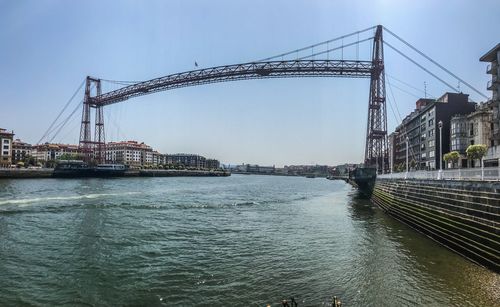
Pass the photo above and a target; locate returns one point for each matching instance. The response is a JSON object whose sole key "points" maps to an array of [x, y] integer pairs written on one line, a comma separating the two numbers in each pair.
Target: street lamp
{"points": [[391, 152], [407, 140], [440, 173]]}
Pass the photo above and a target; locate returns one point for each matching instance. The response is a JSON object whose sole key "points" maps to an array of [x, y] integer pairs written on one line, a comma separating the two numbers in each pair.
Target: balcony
{"points": [[492, 84], [492, 69], [496, 133]]}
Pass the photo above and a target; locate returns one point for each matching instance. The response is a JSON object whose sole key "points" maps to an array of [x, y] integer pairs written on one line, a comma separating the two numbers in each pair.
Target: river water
{"points": [[235, 241]]}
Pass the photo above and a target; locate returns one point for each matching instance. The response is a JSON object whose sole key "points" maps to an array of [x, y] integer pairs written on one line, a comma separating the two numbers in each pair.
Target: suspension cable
{"points": [[65, 122], [336, 48], [60, 113], [409, 85], [419, 65], [316, 45], [435, 63]]}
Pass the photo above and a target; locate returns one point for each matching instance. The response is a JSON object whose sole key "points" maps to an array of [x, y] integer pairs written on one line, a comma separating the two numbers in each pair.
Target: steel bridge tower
{"points": [[376, 150], [92, 150]]}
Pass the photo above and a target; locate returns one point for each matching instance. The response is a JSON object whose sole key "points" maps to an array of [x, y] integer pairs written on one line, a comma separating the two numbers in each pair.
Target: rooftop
{"points": [[490, 56], [4, 131]]}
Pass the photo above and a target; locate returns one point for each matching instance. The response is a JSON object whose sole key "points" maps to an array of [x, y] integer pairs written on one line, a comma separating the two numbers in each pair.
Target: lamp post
{"points": [[440, 173], [391, 163], [391, 152], [407, 140]]}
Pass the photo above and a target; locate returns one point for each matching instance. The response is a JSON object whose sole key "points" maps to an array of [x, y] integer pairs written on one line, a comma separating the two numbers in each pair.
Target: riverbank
{"points": [[19, 173]]}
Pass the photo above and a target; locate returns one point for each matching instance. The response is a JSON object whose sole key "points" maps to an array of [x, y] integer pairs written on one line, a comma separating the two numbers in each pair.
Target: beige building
{"points": [[130, 153], [6, 147], [20, 150], [51, 151], [471, 129]]}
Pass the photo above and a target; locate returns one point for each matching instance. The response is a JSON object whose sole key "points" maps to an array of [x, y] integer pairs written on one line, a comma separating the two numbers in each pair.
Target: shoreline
{"points": [[16, 173]]}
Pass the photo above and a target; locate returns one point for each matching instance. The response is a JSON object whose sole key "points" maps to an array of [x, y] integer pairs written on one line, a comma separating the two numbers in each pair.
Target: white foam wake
{"points": [[23, 201]]}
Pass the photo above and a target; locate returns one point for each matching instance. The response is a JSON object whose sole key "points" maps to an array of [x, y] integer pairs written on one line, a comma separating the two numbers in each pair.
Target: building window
{"points": [[5, 146], [431, 132], [5, 153], [431, 154], [431, 122], [5, 141]]}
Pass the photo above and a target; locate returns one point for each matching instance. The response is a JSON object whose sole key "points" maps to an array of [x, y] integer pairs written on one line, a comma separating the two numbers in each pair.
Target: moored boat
{"points": [[109, 170], [72, 169], [79, 168]]}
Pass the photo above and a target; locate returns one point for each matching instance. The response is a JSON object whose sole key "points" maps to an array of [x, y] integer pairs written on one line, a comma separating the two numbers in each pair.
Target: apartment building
{"points": [[53, 151], [493, 58], [471, 129], [6, 147], [130, 153], [187, 160], [421, 127], [20, 150]]}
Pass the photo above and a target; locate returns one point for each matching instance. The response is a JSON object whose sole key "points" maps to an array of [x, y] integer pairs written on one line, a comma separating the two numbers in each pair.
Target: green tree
{"points": [[29, 160], [476, 152], [452, 157], [413, 164]]}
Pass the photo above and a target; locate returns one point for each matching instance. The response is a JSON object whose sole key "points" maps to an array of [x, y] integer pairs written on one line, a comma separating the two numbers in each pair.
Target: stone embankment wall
{"points": [[11, 173], [16, 173], [462, 215]]}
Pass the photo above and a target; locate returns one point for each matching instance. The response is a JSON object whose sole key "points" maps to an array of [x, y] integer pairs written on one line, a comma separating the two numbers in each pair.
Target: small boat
{"points": [[310, 176], [72, 169]]}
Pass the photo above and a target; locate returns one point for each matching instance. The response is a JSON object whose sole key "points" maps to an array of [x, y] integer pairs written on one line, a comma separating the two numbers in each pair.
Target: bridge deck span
{"points": [[254, 70]]}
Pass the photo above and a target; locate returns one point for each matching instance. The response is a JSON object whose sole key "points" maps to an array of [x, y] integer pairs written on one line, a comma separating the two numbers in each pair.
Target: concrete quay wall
{"points": [[16, 173], [12, 173], [462, 215]]}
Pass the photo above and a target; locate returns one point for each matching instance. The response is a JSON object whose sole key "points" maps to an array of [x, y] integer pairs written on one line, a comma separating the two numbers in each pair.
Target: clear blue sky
{"points": [[48, 47]]}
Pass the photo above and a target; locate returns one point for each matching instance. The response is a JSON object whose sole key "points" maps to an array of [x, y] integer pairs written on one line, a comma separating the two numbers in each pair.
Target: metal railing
{"points": [[487, 173]]}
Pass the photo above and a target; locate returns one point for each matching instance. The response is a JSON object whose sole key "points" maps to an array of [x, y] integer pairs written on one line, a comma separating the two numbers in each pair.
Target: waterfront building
{"points": [[459, 140], [20, 150], [493, 58], [422, 130], [158, 158], [130, 153], [212, 164], [6, 147], [187, 160], [52, 151], [471, 129], [259, 169]]}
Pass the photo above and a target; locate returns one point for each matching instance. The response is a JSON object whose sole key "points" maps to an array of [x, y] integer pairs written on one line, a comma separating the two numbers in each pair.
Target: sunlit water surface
{"points": [[236, 241]]}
